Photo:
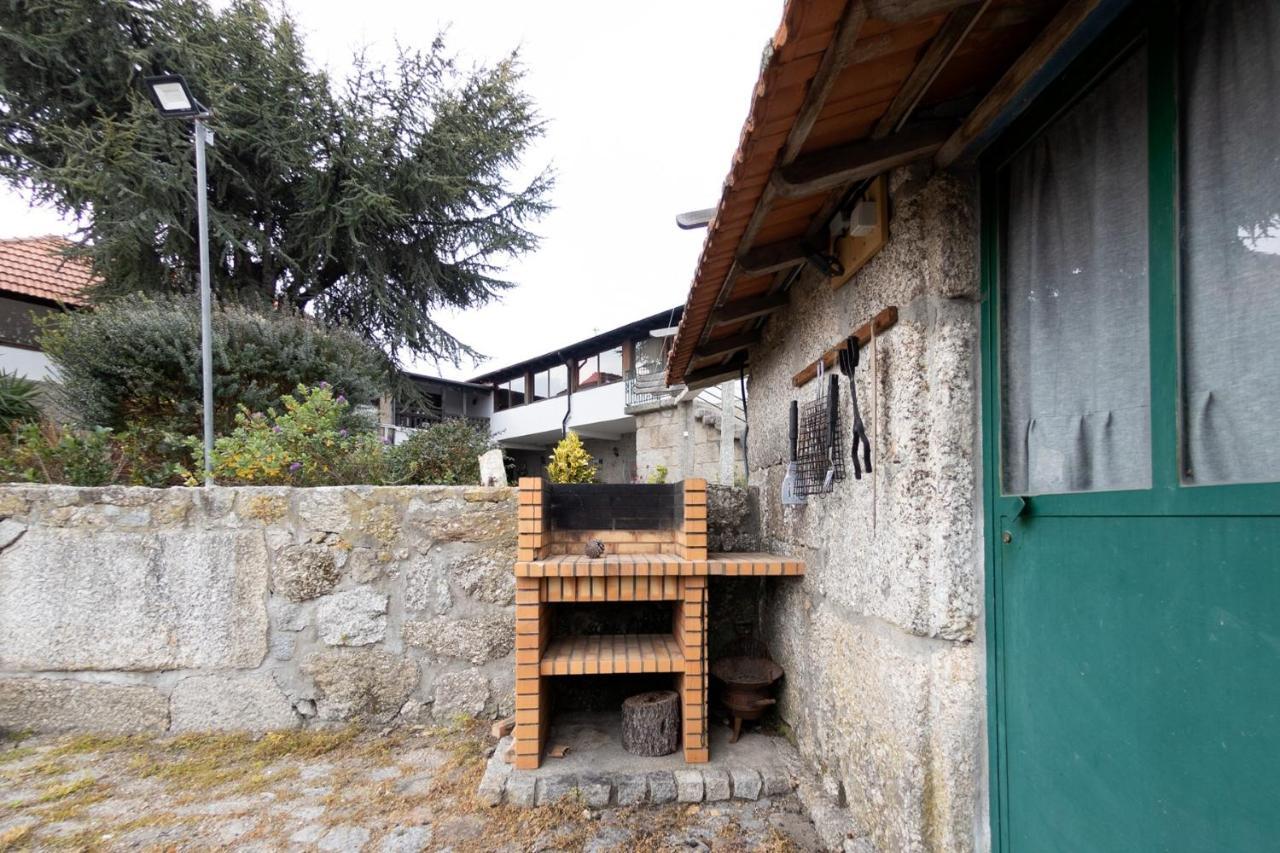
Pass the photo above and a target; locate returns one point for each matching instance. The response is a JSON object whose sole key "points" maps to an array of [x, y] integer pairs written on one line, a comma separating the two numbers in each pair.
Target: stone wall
{"points": [[132, 609], [881, 639], [686, 439]]}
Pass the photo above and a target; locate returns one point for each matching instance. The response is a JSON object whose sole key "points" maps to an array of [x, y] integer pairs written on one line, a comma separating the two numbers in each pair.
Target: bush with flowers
{"points": [[316, 441]]}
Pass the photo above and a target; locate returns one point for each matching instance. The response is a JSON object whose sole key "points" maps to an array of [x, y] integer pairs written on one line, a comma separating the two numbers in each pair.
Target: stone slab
{"points": [[353, 617], [746, 783], [61, 705], [716, 785], [179, 600], [230, 702], [689, 786]]}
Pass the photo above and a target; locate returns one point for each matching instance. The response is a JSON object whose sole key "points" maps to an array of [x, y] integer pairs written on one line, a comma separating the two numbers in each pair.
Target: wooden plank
{"points": [[824, 170], [885, 320], [834, 60], [944, 45], [1070, 18], [749, 308], [726, 345], [856, 252], [773, 257], [716, 372], [904, 11]]}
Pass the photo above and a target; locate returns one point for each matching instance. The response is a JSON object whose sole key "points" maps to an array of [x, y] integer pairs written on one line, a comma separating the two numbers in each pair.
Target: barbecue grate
{"points": [[817, 449]]}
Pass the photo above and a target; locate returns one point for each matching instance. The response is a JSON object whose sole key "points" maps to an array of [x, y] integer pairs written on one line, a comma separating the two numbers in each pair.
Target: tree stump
{"points": [[651, 723]]}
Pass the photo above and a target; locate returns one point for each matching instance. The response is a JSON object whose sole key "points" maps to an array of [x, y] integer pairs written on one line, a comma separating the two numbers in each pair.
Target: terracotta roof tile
{"points": [[37, 267]]}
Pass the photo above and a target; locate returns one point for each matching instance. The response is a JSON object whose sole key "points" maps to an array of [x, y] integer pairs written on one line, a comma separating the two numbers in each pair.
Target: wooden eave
{"points": [[849, 90]]}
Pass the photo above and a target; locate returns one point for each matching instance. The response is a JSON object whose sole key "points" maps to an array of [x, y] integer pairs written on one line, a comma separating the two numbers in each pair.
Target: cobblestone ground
{"points": [[407, 789]]}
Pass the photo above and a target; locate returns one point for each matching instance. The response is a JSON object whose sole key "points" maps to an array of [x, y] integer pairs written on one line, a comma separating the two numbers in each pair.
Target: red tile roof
{"points": [[36, 267]]}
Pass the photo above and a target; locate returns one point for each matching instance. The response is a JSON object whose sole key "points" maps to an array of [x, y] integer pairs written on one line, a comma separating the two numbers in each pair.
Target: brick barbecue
{"points": [[665, 560]]}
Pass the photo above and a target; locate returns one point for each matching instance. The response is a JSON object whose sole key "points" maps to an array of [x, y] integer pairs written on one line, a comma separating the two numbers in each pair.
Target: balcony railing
{"points": [[642, 394]]}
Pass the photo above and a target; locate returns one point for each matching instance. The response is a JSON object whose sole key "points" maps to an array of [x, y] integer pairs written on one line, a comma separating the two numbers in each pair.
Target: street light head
{"points": [[172, 97]]}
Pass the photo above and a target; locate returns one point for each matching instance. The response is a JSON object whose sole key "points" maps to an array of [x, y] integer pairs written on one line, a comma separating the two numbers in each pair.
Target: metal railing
{"points": [[637, 393]]}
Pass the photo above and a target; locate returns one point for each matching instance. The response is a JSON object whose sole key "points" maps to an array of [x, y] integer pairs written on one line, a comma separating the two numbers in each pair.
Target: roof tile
{"points": [[38, 267]]}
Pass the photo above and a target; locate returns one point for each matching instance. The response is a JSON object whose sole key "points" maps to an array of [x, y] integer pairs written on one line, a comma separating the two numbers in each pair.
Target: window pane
{"points": [[540, 382], [611, 365], [1231, 241], [558, 380], [588, 372], [1074, 359], [516, 389]]}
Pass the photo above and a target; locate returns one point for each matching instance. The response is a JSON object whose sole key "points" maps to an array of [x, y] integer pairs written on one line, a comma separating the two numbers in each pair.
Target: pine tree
{"points": [[373, 203]]}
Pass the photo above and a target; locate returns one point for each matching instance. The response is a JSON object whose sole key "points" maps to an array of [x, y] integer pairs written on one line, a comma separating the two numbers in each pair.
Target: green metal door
{"points": [[1133, 575]]}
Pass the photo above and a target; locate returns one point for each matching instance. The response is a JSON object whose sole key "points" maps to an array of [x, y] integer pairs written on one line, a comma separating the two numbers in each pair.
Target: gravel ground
{"points": [[408, 789]]}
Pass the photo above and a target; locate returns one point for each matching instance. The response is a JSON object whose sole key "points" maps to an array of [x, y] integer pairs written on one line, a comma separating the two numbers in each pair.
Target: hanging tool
{"points": [[833, 420], [848, 358], [790, 496]]}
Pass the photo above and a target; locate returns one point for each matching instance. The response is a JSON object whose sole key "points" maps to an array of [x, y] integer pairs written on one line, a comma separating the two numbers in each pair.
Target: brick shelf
{"points": [[613, 654], [634, 565], [640, 565]]}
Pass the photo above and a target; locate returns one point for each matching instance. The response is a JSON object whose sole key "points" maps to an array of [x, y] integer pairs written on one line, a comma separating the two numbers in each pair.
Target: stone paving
{"points": [[401, 790]]}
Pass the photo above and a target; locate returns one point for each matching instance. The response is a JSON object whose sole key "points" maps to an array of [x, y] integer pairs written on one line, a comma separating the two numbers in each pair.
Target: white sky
{"points": [[644, 103]]}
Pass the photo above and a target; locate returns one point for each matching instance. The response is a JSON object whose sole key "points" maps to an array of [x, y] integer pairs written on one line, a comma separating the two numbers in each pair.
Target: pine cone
{"points": [[595, 548]]}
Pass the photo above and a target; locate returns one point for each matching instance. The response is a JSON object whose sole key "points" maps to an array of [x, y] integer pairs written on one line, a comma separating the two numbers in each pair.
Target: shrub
{"points": [[50, 453], [18, 397], [570, 462], [446, 453], [659, 475], [135, 361], [315, 441]]}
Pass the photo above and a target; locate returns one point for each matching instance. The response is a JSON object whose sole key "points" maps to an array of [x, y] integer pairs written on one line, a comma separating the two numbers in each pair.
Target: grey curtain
{"points": [[1075, 372], [1230, 160]]}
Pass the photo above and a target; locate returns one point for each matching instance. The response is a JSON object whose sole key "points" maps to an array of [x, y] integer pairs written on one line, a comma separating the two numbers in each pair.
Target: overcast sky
{"points": [[644, 104]]}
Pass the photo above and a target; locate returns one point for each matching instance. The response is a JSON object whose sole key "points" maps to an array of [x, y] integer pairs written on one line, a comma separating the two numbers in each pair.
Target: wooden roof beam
{"points": [[704, 376], [1014, 87], [833, 167], [955, 28], [749, 308], [773, 257], [726, 345], [905, 11], [834, 59]]}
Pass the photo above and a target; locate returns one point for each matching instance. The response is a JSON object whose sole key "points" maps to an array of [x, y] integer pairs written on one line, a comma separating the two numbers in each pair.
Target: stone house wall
{"points": [[881, 640], [133, 609], [675, 436]]}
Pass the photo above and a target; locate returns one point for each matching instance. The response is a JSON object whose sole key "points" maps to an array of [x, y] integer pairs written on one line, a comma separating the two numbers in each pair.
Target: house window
{"points": [[1074, 322], [600, 369], [611, 365], [508, 394], [551, 383], [1230, 194]]}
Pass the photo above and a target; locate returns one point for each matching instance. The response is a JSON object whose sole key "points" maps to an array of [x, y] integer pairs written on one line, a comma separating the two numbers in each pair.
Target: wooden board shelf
{"points": [[612, 654]]}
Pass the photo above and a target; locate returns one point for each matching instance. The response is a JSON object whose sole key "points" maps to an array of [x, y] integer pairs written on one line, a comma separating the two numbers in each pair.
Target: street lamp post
{"points": [[173, 99]]}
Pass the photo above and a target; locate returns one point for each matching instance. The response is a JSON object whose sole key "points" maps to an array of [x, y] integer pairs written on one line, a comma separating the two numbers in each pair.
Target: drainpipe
{"points": [[568, 394]]}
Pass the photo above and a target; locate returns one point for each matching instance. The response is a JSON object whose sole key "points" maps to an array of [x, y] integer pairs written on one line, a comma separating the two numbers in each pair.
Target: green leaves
{"points": [[373, 204], [18, 400], [136, 361]]}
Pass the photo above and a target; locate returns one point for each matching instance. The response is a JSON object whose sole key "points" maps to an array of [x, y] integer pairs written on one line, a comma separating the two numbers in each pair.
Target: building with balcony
{"points": [[610, 389]]}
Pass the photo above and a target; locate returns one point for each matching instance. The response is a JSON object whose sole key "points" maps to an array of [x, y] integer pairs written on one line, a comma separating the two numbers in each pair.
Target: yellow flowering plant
{"points": [[316, 440], [570, 462]]}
